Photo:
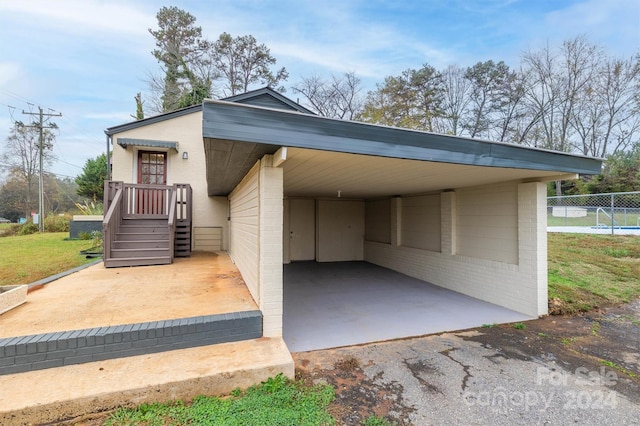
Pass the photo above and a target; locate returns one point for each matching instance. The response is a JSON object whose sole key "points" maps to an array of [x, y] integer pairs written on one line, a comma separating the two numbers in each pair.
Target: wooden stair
{"points": [[140, 242]]}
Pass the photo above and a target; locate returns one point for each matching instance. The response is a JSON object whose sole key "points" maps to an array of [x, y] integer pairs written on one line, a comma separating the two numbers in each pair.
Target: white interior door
{"points": [[340, 230], [302, 229]]}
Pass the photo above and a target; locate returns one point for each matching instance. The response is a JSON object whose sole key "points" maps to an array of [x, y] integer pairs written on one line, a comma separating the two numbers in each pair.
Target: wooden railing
{"points": [[137, 201], [112, 216], [172, 222]]}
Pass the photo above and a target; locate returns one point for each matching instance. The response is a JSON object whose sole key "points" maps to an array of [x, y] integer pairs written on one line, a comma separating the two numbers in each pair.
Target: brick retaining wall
{"points": [[49, 350]]}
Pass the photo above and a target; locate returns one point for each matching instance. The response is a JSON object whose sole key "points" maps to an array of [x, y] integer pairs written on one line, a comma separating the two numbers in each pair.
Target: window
{"points": [[152, 168]]}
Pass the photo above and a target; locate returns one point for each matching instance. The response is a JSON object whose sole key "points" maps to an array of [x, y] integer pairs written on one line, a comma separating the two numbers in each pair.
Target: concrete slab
{"points": [[204, 284], [68, 392], [328, 305]]}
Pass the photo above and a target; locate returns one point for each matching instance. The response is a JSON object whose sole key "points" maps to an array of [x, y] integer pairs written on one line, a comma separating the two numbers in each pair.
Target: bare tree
{"points": [[455, 98], [608, 120], [338, 97], [22, 157], [243, 62], [558, 81]]}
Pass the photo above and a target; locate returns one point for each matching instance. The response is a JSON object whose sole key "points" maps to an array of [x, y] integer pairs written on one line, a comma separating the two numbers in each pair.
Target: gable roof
{"points": [[236, 136], [266, 97]]}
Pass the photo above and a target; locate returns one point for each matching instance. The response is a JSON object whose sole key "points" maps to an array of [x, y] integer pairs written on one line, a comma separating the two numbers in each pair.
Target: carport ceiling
{"points": [[322, 174]]}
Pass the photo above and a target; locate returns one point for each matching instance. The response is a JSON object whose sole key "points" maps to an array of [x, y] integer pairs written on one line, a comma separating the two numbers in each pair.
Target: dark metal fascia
{"points": [[245, 123]]}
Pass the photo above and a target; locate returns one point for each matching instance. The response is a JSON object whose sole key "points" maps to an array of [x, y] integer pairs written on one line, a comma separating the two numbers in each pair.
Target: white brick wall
{"points": [[256, 239], [521, 287], [271, 213], [421, 222], [244, 230]]}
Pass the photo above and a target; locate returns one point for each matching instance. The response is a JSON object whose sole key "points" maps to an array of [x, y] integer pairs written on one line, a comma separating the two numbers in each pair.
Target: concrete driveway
{"points": [[558, 370]]}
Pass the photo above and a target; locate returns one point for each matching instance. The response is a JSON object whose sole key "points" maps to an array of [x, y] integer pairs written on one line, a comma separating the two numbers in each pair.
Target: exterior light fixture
{"points": [[185, 155]]}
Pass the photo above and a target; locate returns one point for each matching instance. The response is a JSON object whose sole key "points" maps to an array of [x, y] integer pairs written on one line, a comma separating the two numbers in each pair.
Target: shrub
{"points": [[28, 229], [57, 223]]}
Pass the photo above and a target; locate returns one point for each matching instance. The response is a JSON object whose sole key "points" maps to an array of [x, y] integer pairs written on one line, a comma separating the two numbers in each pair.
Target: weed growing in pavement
{"points": [[618, 367]]}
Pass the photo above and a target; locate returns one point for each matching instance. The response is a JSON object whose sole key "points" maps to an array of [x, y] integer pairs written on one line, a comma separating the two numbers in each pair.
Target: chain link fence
{"points": [[615, 213]]}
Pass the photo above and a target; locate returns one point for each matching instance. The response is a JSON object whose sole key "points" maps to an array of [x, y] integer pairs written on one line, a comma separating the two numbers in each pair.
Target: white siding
{"points": [[207, 238], [244, 230], [488, 223], [377, 221], [420, 222]]}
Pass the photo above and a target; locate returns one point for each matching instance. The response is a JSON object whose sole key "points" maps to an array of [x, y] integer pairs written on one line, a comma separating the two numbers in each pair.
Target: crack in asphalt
{"points": [[419, 367], [465, 368]]}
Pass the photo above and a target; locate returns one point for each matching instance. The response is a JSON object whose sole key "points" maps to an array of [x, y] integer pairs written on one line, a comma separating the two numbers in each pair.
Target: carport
{"points": [[333, 304], [465, 215]]}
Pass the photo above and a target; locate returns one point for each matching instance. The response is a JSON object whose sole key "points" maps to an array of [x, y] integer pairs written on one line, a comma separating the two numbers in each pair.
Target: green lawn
{"points": [[589, 271], [29, 258]]}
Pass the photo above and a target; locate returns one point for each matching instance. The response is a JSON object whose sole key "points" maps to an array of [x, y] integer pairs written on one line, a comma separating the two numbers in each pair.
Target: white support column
{"points": [[270, 230], [396, 219], [448, 223], [532, 244]]}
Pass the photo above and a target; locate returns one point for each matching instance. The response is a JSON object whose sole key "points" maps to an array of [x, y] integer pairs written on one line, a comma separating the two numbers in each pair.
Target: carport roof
{"points": [[236, 136]]}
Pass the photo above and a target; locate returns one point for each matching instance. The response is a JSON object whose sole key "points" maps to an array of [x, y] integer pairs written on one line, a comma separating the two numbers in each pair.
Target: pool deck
{"points": [[593, 230]]}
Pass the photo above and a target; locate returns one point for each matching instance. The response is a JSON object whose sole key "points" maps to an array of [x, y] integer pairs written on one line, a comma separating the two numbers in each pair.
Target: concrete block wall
{"points": [[49, 350], [77, 227], [271, 198], [520, 286], [244, 226]]}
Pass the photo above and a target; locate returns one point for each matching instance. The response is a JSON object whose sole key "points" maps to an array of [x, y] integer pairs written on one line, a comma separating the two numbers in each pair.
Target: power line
{"points": [[40, 125]]}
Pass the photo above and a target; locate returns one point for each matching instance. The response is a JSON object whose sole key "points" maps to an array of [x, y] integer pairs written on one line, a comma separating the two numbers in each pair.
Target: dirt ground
{"points": [[580, 369]]}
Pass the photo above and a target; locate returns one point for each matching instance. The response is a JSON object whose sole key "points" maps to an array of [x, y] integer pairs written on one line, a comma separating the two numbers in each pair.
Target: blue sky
{"points": [[88, 58]]}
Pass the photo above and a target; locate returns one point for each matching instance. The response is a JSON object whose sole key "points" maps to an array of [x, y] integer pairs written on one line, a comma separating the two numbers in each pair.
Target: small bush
{"points": [[28, 229], [11, 230], [57, 223]]}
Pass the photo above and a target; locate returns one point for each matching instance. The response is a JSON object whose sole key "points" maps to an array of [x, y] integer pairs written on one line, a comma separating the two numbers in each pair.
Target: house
{"points": [[271, 183]]}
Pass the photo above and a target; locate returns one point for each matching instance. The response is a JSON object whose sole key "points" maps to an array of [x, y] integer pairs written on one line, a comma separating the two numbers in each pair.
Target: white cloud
{"points": [[615, 23], [84, 17]]}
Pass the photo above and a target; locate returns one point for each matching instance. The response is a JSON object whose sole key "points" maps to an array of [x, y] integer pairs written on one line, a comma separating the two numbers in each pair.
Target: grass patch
{"points": [[278, 401], [29, 258], [518, 326], [590, 271], [617, 367], [377, 421]]}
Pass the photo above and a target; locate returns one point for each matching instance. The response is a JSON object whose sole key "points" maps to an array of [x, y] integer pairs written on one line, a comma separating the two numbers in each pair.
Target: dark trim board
{"points": [[233, 124]]}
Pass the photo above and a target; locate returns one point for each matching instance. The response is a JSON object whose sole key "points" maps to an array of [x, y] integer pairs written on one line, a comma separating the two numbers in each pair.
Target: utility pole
{"points": [[40, 124]]}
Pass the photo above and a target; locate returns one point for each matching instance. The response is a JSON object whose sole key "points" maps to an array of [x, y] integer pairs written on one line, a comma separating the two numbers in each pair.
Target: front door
{"points": [[152, 168]]}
